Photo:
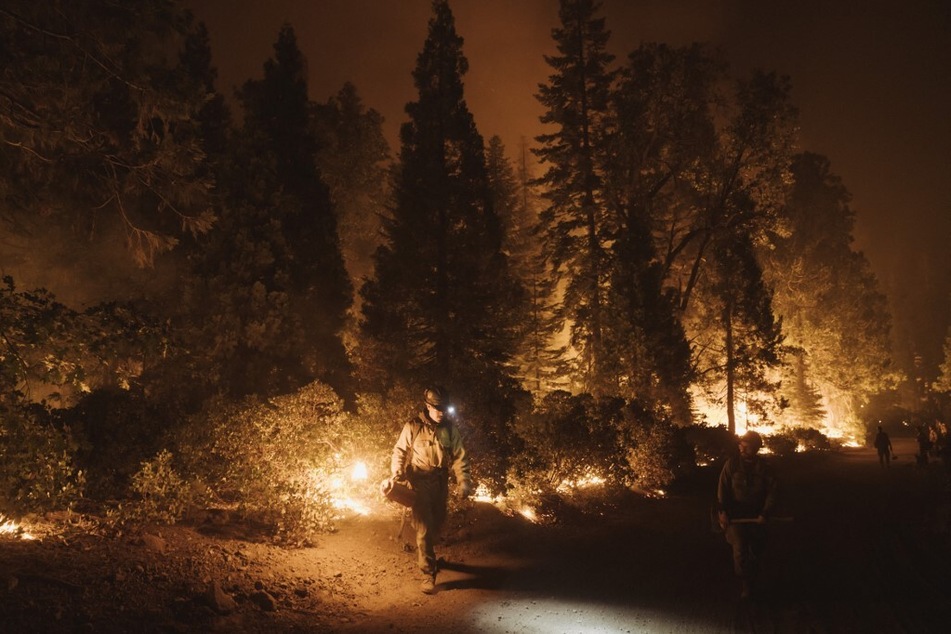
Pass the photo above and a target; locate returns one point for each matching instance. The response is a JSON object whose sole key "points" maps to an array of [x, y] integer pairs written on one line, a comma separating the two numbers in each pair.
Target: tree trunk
{"points": [[730, 370]]}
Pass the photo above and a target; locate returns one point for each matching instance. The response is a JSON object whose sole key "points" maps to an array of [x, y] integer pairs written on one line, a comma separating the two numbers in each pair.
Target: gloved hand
{"points": [[465, 490], [386, 485]]}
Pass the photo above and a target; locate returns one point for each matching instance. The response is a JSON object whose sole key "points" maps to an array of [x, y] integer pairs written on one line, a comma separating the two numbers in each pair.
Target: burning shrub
{"points": [[283, 461], [37, 461]]}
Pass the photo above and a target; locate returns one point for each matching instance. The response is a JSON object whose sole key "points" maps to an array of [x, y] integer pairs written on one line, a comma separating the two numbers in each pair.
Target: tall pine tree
{"points": [[538, 360], [576, 227], [439, 307], [270, 290]]}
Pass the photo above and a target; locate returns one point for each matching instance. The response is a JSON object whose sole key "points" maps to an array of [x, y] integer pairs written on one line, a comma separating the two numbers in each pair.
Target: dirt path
{"points": [[868, 551]]}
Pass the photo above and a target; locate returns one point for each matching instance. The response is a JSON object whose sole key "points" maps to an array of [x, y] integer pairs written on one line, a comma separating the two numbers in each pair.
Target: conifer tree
{"points": [[440, 305], [353, 158], [538, 359], [270, 288], [575, 226]]}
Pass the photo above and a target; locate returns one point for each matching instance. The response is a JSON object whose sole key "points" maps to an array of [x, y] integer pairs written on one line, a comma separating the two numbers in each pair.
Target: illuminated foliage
{"points": [[563, 438], [655, 450], [739, 187], [160, 494], [834, 315], [272, 460], [50, 352], [38, 470]]}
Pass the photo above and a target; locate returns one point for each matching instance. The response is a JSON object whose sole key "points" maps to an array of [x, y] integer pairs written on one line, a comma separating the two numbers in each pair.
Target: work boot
{"points": [[428, 586]]}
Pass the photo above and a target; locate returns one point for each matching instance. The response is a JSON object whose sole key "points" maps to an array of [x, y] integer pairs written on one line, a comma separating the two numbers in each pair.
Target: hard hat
{"points": [[436, 397], [752, 439]]}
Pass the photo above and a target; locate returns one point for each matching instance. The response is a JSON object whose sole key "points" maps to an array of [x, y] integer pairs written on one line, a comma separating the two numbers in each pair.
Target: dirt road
{"points": [[868, 551]]}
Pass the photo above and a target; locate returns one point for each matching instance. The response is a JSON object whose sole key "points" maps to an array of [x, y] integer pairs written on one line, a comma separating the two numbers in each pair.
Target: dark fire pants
{"points": [[429, 515], [748, 542]]}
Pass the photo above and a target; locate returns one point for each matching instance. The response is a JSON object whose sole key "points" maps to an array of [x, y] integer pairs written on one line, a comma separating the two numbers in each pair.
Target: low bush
{"points": [[38, 471]]}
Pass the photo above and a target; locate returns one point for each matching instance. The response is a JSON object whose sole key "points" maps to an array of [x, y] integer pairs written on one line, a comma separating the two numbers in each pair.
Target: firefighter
{"points": [[883, 445], [428, 447], [746, 496]]}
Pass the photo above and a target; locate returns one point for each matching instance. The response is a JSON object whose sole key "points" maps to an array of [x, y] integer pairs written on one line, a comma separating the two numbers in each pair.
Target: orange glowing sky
{"points": [[872, 80]]}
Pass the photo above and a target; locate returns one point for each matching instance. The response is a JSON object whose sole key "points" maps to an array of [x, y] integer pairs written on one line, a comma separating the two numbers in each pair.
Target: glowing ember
{"points": [[8, 527], [482, 495], [11, 528], [528, 513], [589, 479], [350, 504]]}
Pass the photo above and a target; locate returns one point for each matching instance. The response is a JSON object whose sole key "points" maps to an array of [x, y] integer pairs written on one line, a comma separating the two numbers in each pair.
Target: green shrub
{"points": [[160, 494], [711, 444], [566, 439], [38, 470], [656, 451], [781, 443]]}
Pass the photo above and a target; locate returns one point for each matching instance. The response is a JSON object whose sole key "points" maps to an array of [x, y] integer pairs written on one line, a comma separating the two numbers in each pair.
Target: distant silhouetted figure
{"points": [[884, 446], [924, 445], [746, 495]]}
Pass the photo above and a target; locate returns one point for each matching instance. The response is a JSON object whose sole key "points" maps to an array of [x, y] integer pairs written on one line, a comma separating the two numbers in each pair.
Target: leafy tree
{"points": [[575, 227], [98, 121], [835, 318], [660, 125], [738, 188]]}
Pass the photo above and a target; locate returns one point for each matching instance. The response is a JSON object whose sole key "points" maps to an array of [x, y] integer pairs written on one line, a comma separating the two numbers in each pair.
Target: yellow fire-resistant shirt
{"points": [[424, 447]]}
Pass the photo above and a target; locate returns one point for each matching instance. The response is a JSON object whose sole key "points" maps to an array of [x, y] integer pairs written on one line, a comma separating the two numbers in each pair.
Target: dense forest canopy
{"points": [[673, 258]]}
